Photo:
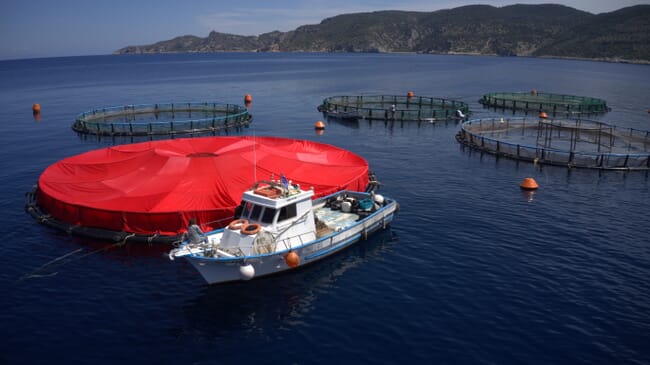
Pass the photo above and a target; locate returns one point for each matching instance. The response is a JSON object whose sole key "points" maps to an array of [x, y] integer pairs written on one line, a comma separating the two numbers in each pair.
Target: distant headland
{"points": [[546, 30]]}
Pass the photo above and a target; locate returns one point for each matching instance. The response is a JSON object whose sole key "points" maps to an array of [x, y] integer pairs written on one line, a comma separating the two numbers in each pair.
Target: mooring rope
{"points": [[58, 260]]}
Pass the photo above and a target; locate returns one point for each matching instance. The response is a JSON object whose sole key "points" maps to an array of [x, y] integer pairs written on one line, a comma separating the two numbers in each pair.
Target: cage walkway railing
{"points": [[395, 107], [154, 119], [545, 102], [475, 134]]}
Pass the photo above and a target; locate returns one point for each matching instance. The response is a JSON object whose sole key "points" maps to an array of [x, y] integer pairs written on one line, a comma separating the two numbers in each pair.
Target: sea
{"points": [[472, 270]]}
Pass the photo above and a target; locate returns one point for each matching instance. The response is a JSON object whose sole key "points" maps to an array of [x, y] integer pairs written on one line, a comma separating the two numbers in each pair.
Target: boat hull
{"points": [[220, 269]]}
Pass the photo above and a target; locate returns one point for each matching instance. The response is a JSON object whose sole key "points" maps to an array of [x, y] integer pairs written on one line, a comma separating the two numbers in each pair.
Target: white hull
{"points": [[224, 269]]}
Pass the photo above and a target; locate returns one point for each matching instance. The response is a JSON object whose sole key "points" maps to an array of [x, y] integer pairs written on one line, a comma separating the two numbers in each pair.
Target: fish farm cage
{"points": [[562, 142], [159, 119], [394, 107], [534, 101]]}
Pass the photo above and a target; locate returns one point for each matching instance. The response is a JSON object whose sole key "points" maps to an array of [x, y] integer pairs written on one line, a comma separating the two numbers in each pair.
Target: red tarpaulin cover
{"points": [[156, 187]]}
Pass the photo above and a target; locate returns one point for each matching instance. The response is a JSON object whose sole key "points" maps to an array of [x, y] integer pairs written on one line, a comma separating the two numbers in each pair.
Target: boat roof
{"points": [[280, 201]]}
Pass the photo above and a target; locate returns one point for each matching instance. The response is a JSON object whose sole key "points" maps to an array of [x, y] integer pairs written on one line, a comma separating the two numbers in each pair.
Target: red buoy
{"points": [[529, 184], [319, 125], [248, 98], [292, 259]]}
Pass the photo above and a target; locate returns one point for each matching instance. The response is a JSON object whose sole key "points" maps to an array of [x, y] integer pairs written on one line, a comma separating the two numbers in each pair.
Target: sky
{"points": [[54, 28]]}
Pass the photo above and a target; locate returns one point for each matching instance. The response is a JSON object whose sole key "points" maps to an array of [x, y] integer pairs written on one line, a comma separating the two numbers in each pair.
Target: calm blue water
{"points": [[472, 271]]}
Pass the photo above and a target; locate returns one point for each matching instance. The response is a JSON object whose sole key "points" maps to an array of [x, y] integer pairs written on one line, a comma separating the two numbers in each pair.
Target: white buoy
{"points": [[460, 114], [246, 272]]}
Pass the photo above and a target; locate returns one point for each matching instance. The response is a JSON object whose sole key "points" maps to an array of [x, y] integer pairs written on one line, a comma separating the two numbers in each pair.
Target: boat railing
{"points": [[259, 247]]}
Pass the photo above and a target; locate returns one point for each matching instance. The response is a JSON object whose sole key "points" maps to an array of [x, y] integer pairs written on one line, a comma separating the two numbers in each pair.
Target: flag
{"points": [[284, 181]]}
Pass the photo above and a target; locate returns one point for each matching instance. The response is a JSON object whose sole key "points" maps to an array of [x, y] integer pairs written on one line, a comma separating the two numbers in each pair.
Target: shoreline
{"points": [[604, 59]]}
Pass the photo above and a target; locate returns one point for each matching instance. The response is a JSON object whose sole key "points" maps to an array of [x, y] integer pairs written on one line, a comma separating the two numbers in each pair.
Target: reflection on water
{"points": [[348, 122], [278, 301], [529, 195], [124, 139]]}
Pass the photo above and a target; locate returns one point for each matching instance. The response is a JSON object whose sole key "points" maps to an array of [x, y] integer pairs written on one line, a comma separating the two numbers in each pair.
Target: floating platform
{"points": [[393, 107], [555, 104], [149, 191], [562, 142], [161, 119]]}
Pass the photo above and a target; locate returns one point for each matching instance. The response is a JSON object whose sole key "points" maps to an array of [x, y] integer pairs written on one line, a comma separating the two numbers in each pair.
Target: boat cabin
{"points": [[271, 215]]}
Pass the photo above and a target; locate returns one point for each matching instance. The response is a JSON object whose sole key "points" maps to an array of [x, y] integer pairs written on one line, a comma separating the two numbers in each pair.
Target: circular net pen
{"points": [[534, 101], [566, 142], [393, 107], [160, 119]]}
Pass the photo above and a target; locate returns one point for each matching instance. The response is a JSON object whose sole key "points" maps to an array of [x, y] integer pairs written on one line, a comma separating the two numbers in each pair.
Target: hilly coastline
{"points": [[546, 30]]}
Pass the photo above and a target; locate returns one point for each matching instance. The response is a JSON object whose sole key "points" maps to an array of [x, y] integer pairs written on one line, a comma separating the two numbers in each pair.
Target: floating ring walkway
{"points": [[394, 107], [563, 142], [158, 119], [544, 102]]}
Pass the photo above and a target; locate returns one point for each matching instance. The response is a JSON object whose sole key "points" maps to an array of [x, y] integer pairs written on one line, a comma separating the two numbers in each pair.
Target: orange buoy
{"points": [[543, 115], [529, 184], [410, 94], [292, 259], [319, 125], [248, 98], [36, 108]]}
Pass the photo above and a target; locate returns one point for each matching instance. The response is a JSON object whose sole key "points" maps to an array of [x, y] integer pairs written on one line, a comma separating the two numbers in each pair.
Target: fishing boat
{"points": [[279, 227]]}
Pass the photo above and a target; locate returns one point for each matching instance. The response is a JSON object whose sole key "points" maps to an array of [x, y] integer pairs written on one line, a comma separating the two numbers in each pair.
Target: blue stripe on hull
{"points": [[349, 241]]}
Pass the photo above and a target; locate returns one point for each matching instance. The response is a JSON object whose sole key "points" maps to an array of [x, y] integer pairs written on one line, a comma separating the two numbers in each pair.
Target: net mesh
{"points": [[567, 142], [153, 119], [545, 102], [394, 107]]}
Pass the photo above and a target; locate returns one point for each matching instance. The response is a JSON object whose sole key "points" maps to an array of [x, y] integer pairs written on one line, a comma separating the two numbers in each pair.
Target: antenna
{"points": [[254, 159]]}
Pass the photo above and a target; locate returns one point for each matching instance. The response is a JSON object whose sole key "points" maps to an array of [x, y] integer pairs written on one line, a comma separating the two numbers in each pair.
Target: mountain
{"points": [[546, 30], [620, 35]]}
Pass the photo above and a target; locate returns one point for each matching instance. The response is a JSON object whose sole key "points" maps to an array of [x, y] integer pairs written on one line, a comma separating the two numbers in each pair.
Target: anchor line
{"points": [[59, 260]]}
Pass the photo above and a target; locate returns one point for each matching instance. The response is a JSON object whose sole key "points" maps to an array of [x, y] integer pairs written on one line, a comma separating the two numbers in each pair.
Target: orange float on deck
{"points": [[251, 229], [292, 259], [529, 184], [237, 224], [319, 125]]}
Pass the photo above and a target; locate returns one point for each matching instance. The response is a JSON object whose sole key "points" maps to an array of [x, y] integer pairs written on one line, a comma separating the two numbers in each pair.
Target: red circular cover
{"points": [[156, 187]]}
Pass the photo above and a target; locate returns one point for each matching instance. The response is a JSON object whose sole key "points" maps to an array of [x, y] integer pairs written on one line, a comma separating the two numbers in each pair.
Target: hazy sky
{"points": [[49, 28]]}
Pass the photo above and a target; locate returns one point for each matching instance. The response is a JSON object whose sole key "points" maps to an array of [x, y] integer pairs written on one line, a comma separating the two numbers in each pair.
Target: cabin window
{"points": [[287, 212], [247, 209], [267, 216], [239, 210], [255, 215]]}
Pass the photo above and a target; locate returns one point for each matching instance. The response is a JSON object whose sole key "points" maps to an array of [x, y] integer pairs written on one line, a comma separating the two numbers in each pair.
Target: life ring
{"points": [[251, 229], [237, 224]]}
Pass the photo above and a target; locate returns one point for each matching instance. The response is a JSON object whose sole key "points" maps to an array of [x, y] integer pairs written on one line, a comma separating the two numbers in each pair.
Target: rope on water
{"points": [[59, 260]]}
